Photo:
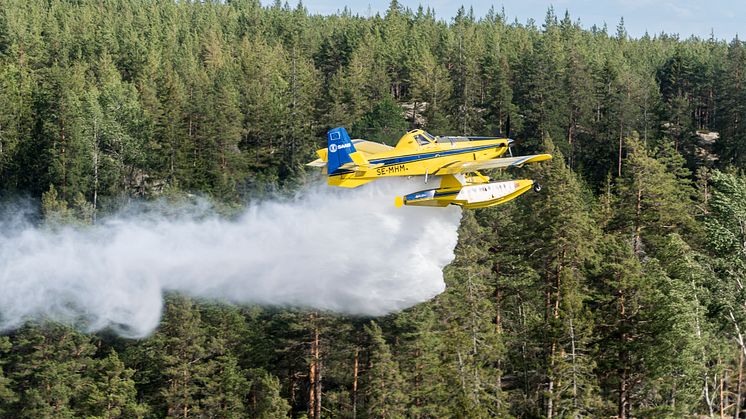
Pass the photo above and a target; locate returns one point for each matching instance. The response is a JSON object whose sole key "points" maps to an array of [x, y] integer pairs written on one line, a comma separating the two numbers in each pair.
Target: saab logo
{"points": [[333, 147]]}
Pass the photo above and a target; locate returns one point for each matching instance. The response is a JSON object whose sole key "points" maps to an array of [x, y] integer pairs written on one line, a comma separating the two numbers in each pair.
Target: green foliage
{"points": [[266, 401], [384, 123], [384, 387], [653, 200], [57, 212], [48, 366], [111, 392], [7, 396], [612, 292]]}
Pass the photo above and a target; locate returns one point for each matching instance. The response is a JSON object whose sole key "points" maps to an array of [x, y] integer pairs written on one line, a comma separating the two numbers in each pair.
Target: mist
{"points": [[341, 250]]}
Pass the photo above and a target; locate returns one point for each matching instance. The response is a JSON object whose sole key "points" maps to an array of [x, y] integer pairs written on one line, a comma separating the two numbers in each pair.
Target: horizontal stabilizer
{"points": [[371, 147], [317, 163]]}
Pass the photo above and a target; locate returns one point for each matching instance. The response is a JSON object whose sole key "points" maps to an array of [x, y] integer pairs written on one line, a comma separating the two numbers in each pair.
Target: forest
{"points": [[618, 291]]}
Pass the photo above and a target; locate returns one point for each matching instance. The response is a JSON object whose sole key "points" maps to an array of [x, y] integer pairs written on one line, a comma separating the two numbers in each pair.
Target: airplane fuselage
{"points": [[411, 159]]}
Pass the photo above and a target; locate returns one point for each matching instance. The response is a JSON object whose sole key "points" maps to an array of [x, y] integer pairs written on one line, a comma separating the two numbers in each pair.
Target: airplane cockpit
{"points": [[451, 140], [417, 139], [424, 138]]}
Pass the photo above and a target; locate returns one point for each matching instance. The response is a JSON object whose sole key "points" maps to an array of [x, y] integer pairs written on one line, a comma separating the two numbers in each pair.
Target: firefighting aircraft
{"points": [[455, 160]]}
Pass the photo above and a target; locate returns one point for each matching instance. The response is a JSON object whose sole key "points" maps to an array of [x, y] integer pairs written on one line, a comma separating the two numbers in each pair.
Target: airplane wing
{"points": [[472, 166]]}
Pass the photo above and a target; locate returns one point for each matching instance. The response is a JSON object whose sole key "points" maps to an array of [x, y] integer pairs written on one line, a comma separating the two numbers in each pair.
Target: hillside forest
{"points": [[618, 291]]}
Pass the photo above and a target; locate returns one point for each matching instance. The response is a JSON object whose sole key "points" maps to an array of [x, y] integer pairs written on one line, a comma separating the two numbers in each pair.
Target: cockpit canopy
{"points": [[415, 139], [418, 138], [424, 137]]}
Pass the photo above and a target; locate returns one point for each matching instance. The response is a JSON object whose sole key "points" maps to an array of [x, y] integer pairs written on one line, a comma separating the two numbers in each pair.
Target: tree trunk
{"points": [[95, 171], [619, 159], [314, 382], [739, 386], [524, 356], [741, 350], [574, 367], [550, 383], [354, 382], [624, 393], [637, 245], [317, 383], [553, 303], [185, 409], [722, 394], [64, 163], [624, 402], [498, 329]]}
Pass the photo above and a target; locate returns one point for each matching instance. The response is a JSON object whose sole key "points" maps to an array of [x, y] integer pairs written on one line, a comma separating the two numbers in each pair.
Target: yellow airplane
{"points": [[456, 160]]}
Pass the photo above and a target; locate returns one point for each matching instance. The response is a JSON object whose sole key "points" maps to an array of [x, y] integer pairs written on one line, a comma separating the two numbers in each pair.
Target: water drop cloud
{"points": [[347, 251]]}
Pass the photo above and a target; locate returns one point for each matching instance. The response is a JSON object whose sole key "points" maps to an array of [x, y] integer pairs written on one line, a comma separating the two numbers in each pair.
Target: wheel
{"points": [[537, 187]]}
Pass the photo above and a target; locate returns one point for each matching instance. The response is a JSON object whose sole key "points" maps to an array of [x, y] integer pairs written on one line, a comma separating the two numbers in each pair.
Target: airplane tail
{"points": [[339, 149]]}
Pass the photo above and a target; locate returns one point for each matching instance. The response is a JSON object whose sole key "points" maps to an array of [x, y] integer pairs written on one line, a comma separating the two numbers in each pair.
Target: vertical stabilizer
{"points": [[339, 147]]}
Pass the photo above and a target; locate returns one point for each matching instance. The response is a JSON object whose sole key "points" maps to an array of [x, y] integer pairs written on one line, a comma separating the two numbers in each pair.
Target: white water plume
{"points": [[348, 251]]}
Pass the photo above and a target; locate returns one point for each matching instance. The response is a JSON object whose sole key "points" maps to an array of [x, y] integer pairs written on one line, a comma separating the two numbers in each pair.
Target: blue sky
{"points": [[684, 17]]}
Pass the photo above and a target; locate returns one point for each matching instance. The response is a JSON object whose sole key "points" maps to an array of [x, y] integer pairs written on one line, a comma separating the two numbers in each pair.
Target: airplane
{"points": [[456, 160]]}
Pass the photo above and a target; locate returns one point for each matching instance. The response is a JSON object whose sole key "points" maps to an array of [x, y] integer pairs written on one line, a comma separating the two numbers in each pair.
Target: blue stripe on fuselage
{"points": [[439, 194], [415, 157]]}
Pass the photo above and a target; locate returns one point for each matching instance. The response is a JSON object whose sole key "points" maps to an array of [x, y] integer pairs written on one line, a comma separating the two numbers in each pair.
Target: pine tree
{"points": [[179, 352], [384, 396], [561, 237], [653, 200], [725, 239], [469, 334], [47, 367], [111, 391], [15, 121], [7, 395], [731, 108], [265, 399], [418, 355], [498, 94], [688, 335], [431, 87], [385, 123], [224, 387]]}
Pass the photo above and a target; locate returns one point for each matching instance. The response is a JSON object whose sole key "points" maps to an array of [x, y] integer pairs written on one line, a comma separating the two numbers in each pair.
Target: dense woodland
{"points": [[616, 291]]}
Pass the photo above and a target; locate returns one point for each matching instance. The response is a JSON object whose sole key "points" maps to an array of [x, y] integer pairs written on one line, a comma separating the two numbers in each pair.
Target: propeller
{"points": [[507, 134]]}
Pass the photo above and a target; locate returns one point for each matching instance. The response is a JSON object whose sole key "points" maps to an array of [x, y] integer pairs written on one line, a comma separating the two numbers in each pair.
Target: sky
{"points": [[724, 18]]}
